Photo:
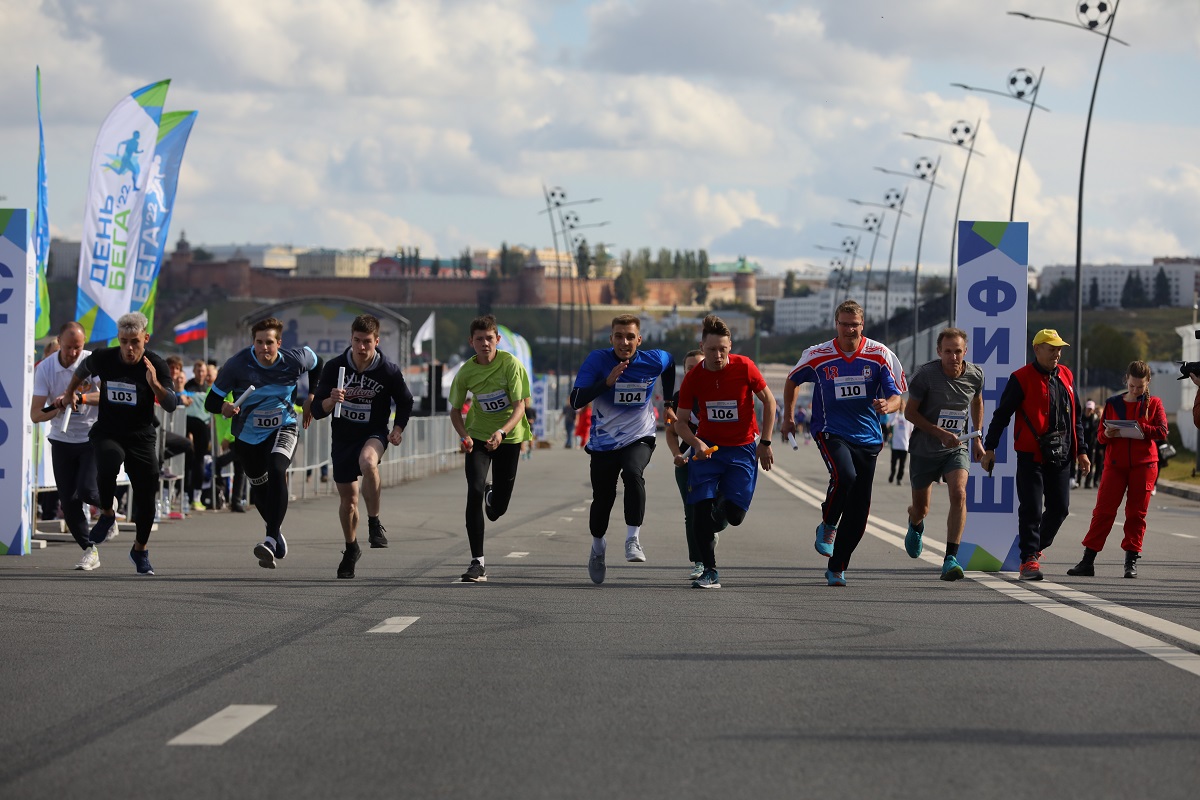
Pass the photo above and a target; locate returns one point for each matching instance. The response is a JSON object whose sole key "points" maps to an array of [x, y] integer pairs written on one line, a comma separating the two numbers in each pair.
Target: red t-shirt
{"points": [[724, 401]]}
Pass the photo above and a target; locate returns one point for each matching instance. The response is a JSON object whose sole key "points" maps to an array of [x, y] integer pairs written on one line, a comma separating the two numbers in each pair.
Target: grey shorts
{"points": [[924, 470]]}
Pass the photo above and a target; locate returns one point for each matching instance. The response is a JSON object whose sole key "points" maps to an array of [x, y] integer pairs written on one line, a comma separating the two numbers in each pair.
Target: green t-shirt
{"points": [[495, 388]]}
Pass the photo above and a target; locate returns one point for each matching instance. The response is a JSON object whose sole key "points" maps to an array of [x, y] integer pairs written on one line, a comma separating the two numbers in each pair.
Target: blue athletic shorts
{"points": [[731, 472]]}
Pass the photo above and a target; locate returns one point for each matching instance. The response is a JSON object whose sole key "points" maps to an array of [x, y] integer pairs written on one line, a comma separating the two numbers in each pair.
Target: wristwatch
{"points": [[767, 442]]}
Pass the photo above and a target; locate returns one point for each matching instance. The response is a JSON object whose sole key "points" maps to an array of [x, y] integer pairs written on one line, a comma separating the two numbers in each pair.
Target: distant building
{"points": [[64, 260], [334, 264], [796, 314], [261, 256], [1183, 274]]}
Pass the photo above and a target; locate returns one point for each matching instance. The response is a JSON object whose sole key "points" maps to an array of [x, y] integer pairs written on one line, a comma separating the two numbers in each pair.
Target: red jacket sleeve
{"points": [[1155, 427]]}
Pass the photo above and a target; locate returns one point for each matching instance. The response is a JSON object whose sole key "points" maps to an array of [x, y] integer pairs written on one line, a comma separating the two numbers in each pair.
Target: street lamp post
{"points": [[961, 132], [923, 170], [1092, 17], [892, 199], [1022, 86], [871, 224]]}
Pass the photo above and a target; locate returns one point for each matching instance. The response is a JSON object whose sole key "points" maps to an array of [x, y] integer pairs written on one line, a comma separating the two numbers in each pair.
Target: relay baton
{"points": [[245, 394], [706, 454], [792, 441], [337, 407], [966, 437]]}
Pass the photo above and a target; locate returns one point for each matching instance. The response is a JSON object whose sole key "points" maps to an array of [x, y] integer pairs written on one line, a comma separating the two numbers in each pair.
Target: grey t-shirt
{"points": [[946, 402]]}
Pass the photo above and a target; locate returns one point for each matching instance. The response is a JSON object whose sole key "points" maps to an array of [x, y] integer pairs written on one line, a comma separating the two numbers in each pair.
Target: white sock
{"points": [[599, 545], [632, 531], [480, 560]]}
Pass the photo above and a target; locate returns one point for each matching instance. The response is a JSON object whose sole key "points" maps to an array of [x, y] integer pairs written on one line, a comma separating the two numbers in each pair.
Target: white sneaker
{"points": [[90, 559], [633, 550]]}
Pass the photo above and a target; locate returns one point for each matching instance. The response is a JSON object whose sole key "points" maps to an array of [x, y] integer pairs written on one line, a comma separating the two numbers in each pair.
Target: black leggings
{"points": [[848, 500], [75, 476], [704, 528], [139, 452], [503, 462], [628, 463], [194, 462], [266, 465]]}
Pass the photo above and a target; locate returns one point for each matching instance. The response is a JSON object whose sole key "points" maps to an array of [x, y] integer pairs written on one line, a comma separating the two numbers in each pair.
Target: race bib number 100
{"points": [[124, 394], [267, 419]]}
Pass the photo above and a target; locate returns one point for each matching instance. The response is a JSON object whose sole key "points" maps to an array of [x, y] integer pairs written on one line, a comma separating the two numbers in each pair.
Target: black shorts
{"points": [[344, 456]]}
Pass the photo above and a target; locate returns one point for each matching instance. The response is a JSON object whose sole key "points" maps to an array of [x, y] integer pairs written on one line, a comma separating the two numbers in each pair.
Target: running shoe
{"points": [[198, 506], [825, 537], [912, 540], [102, 531], [350, 557], [280, 546], [1031, 570], [475, 573], [375, 533], [835, 578], [141, 560], [697, 570], [265, 554], [951, 569], [709, 580], [596, 568], [633, 550], [90, 559]]}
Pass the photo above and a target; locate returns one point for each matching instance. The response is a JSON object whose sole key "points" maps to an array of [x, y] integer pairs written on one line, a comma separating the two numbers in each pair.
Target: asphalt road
{"points": [[538, 684]]}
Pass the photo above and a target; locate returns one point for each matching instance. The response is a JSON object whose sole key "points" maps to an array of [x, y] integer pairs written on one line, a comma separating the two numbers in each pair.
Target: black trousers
{"points": [[266, 464], [503, 462], [138, 450], [848, 500], [193, 468], [1038, 485], [628, 464], [75, 477]]}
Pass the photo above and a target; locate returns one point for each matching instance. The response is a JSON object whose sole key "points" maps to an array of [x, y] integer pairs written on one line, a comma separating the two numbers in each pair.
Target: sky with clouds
{"points": [[740, 126]]}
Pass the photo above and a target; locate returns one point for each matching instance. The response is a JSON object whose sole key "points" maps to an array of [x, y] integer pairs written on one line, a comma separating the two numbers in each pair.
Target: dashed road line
{"points": [[222, 726], [516, 555], [393, 625]]}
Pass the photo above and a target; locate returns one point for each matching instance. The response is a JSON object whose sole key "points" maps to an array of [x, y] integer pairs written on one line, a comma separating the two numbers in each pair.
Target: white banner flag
{"points": [[113, 216], [423, 334]]}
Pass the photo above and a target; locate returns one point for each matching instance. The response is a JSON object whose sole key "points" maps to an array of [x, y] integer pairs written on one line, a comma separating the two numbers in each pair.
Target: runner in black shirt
{"points": [[130, 378]]}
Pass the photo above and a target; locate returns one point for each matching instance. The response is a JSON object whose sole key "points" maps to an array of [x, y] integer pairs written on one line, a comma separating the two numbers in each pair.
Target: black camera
{"points": [[1189, 368]]}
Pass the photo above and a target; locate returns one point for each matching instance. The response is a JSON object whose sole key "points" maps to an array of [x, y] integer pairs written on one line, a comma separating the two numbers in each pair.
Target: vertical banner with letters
{"points": [[993, 289], [18, 299], [538, 391]]}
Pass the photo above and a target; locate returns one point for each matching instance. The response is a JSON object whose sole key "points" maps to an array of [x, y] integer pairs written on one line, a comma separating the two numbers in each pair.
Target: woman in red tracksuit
{"points": [[1130, 465]]}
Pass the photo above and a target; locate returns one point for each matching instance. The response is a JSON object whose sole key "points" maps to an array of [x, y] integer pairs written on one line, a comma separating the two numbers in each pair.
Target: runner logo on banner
{"points": [[992, 299]]}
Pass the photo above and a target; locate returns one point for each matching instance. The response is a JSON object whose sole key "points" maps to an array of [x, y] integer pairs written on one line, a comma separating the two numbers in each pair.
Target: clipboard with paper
{"points": [[1123, 429]]}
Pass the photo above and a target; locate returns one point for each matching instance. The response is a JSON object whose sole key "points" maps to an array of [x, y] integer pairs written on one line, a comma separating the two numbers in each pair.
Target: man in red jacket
{"points": [[1047, 435]]}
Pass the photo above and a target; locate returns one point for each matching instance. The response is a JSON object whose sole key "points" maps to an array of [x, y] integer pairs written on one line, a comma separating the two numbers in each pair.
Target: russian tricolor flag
{"points": [[192, 330]]}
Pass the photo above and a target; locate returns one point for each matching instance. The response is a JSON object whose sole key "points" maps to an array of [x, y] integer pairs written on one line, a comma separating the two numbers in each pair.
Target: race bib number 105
{"points": [[492, 402]]}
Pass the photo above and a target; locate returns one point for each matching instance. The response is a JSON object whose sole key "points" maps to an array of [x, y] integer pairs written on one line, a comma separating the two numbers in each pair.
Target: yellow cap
{"points": [[1047, 336]]}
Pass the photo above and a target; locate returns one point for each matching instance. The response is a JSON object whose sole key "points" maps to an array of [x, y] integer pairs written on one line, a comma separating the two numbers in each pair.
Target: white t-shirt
{"points": [[50, 379], [901, 429]]}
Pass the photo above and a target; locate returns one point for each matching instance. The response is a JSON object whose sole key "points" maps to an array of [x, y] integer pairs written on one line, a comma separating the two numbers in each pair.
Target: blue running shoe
{"points": [[709, 580], [102, 531], [280, 545], [265, 553], [912, 539], [141, 560], [835, 578], [951, 569], [825, 537]]}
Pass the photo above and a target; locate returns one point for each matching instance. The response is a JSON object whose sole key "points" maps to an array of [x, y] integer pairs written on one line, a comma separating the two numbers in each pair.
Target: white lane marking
{"points": [[1176, 657], [1183, 535], [581, 508], [567, 519], [1163, 626], [1189, 662], [516, 555], [393, 624], [222, 726]]}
